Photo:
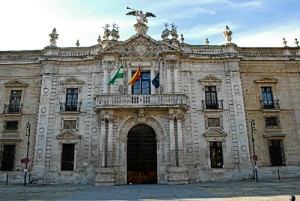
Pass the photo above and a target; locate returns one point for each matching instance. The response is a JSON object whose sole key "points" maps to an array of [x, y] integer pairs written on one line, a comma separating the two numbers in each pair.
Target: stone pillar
{"points": [[180, 145], [172, 142], [110, 144], [105, 80], [176, 78], [102, 143], [169, 80]]}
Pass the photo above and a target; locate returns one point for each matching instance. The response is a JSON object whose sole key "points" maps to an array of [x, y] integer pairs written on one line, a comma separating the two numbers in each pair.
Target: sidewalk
{"points": [[271, 190]]}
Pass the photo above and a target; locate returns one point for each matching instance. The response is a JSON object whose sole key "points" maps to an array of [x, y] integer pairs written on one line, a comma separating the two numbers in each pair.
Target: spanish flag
{"points": [[136, 76]]}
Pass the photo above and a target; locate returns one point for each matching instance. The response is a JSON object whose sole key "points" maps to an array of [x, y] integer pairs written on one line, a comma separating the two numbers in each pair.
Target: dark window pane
{"points": [[216, 155], [8, 157], [267, 97], [71, 99], [271, 121], [15, 101], [142, 86], [276, 153], [11, 125], [211, 98], [67, 158]]}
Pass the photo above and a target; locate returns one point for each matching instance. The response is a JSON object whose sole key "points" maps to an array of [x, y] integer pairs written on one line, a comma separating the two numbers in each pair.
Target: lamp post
{"points": [[28, 127], [253, 147]]}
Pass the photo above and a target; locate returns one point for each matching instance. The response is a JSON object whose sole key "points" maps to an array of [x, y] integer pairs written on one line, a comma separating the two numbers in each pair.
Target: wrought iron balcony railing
{"points": [[274, 105], [155, 100], [218, 105], [64, 107], [13, 108]]}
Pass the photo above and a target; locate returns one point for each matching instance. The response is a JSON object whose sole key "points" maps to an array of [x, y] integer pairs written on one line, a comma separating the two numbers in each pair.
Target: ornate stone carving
{"points": [[227, 33], [173, 32], [106, 32], [53, 38], [165, 33], [141, 20]]}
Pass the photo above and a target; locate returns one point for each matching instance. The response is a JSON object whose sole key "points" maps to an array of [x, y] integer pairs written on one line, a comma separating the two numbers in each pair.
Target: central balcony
{"points": [[137, 101]]}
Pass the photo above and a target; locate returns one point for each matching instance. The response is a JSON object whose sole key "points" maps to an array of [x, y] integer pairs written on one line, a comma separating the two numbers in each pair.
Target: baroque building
{"points": [[148, 111]]}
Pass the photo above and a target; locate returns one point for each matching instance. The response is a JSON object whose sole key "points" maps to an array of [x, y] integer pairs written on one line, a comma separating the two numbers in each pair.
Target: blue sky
{"points": [[26, 24]]}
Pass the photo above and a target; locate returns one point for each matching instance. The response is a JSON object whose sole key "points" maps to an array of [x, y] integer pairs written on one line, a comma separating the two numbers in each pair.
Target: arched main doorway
{"points": [[141, 155]]}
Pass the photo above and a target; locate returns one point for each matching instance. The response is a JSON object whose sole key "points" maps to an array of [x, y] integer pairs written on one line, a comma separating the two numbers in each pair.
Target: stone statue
{"points": [[166, 32], [296, 42], [106, 32], [115, 32], [181, 38], [53, 38], [284, 42], [206, 41], [174, 31], [77, 43], [141, 20], [227, 34], [99, 40]]}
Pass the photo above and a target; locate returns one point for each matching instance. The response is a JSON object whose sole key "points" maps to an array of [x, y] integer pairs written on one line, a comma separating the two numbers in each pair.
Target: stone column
{"points": [[105, 80], [110, 143], [169, 80], [102, 142], [176, 78], [180, 143], [172, 142]]}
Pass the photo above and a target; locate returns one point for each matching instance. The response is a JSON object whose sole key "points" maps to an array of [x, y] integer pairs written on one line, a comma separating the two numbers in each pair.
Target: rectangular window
{"points": [[8, 157], [271, 121], [67, 157], [71, 99], [276, 153], [70, 124], [15, 101], [216, 154], [211, 99], [267, 98], [142, 85], [11, 125], [213, 122]]}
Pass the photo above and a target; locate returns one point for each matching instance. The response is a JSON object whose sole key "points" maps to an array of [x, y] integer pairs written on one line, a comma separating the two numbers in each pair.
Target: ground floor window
{"points": [[216, 154], [8, 157], [67, 157], [276, 153]]}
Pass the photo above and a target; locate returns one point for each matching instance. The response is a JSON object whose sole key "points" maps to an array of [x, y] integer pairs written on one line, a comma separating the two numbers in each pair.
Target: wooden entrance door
{"points": [[141, 155]]}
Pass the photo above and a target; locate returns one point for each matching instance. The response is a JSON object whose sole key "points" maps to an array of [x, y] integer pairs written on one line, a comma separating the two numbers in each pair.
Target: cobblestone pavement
{"points": [[269, 190]]}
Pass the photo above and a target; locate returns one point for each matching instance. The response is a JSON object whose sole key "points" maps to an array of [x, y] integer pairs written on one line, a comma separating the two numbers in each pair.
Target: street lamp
{"points": [[254, 155], [26, 160]]}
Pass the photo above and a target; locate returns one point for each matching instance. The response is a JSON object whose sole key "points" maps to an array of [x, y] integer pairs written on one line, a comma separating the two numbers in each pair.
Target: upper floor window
{"points": [[267, 98], [71, 99], [211, 99], [271, 121], [11, 125], [70, 124], [15, 101], [142, 85]]}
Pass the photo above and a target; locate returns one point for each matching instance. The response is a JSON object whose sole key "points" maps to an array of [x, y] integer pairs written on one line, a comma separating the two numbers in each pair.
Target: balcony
{"points": [[70, 108], [274, 105], [13, 108], [131, 101], [212, 106]]}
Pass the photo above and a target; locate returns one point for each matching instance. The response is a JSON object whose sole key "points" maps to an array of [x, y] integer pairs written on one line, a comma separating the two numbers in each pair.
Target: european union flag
{"points": [[155, 81]]}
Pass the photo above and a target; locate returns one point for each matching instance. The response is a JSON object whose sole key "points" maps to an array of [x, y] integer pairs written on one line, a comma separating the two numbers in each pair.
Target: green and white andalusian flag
{"points": [[118, 74]]}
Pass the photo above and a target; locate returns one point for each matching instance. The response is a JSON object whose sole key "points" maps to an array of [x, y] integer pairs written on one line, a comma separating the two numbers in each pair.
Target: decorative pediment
{"points": [[266, 79], [215, 133], [68, 135], [210, 79], [140, 46], [16, 83], [72, 81]]}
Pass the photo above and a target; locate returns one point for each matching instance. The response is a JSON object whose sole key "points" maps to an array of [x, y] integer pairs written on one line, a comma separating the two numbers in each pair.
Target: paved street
{"points": [[271, 190]]}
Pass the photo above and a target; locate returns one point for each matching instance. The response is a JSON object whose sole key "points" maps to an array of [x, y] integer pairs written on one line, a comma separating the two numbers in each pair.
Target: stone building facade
{"points": [[193, 126]]}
